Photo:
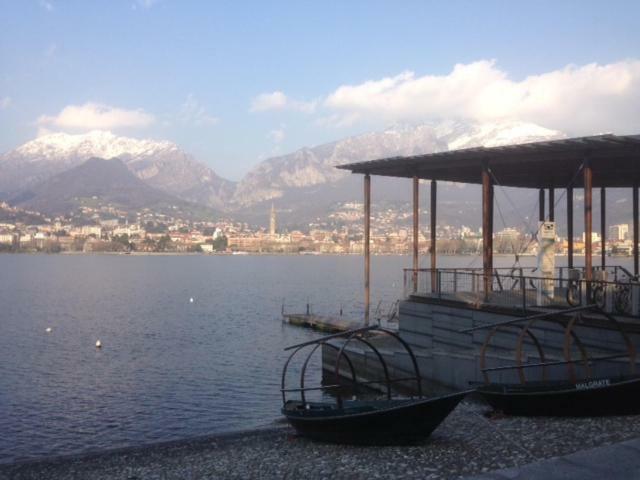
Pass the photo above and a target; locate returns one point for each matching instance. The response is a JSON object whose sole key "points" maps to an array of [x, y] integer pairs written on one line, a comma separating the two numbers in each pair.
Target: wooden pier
{"points": [[320, 323]]}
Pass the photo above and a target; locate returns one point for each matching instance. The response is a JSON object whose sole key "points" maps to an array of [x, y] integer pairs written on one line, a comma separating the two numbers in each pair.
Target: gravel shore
{"points": [[470, 441]]}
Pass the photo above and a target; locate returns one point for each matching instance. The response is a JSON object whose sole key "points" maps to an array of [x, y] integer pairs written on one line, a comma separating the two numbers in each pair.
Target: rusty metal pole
{"points": [[588, 227], [570, 226], [487, 233], [541, 205], [552, 202], [367, 253], [603, 227], [433, 217], [636, 220], [416, 229]]}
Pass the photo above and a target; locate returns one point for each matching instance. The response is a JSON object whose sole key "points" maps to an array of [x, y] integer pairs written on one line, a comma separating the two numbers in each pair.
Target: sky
{"points": [[236, 82]]}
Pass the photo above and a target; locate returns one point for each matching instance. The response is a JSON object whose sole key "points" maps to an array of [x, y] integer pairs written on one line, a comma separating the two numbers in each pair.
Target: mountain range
{"points": [[303, 184], [98, 181], [160, 164]]}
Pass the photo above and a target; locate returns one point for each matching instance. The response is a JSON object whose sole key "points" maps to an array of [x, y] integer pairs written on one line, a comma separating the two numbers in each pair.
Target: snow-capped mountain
{"points": [[297, 179], [315, 166], [98, 143], [161, 164]]}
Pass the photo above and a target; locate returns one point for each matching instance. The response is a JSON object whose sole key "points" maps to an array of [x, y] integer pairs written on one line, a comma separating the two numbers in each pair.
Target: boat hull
{"points": [[393, 423], [598, 397]]}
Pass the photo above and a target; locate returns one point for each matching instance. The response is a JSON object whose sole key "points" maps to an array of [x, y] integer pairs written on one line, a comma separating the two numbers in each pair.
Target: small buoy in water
{"points": [[48, 330], [98, 344], [191, 300]]}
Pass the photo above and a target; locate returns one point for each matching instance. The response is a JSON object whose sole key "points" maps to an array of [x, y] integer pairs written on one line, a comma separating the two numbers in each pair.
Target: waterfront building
{"points": [[8, 238], [442, 309], [618, 232]]}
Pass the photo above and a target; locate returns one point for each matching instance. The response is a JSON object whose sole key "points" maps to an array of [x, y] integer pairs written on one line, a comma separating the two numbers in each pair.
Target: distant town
{"points": [[107, 229]]}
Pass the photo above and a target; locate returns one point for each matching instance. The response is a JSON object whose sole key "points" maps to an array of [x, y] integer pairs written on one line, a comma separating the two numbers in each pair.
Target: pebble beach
{"points": [[471, 441]]}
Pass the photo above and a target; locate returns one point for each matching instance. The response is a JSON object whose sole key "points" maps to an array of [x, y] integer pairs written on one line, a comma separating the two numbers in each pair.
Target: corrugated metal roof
{"points": [[615, 161]]}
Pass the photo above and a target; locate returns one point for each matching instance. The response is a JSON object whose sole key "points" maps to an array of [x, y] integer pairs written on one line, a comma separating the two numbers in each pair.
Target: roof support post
{"points": [[636, 220], [570, 227], [367, 253], [433, 217], [552, 202], [541, 205], [603, 227], [416, 229], [588, 222], [487, 227]]}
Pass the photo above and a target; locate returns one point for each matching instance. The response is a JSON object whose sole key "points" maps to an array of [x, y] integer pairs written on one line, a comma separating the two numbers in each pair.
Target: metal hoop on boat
{"points": [[519, 366], [414, 361], [526, 330], [302, 389], [568, 335]]}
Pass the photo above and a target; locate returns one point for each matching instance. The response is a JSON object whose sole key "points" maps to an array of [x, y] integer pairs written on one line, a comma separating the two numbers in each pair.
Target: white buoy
{"points": [[191, 300], [48, 330], [98, 344]]}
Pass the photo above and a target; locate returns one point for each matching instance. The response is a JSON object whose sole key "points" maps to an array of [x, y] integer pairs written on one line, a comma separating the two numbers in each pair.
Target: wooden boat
{"points": [[594, 397], [380, 422], [371, 422], [587, 396]]}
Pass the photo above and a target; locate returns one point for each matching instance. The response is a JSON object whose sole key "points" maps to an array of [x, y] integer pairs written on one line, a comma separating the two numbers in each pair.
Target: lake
{"points": [[169, 368]]}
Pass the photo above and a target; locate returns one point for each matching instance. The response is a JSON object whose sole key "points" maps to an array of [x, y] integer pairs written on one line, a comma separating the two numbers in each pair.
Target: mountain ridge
{"points": [[304, 181], [310, 166], [96, 181], [161, 164]]}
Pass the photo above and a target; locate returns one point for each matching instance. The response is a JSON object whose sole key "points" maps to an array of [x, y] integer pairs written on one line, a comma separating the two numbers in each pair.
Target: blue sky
{"points": [[236, 82]]}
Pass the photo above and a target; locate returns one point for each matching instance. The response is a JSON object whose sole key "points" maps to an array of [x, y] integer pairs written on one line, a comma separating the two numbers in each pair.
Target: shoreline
{"points": [[469, 442], [280, 254], [220, 438]]}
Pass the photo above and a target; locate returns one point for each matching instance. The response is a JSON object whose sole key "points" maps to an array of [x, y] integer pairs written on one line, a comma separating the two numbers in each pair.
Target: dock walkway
{"points": [[320, 323]]}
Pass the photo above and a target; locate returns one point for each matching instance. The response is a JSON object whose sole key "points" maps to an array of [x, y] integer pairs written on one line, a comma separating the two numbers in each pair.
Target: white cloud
{"points": [[95, 116], [338, 120], [279, 101], [277, 135], [146, 3], [588, 98], [48, 6], [192, 113], [5, 102], [269, 101]]}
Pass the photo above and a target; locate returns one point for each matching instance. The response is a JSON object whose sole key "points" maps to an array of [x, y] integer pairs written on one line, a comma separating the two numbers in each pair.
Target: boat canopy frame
{"points": [[359, 335], [570, 335]]}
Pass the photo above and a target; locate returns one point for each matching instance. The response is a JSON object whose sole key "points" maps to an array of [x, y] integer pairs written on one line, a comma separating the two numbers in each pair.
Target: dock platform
{"points": [[320, 323]]}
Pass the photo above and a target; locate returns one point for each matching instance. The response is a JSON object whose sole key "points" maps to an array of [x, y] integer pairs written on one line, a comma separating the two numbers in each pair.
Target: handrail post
{"points": [[367, 252], [580, 292], [404, 283], [523, 290], [416, 230]]}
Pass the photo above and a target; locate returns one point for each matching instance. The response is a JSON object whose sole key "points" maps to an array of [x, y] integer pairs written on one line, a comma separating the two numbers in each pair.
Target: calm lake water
{"points": [[169, 368]]}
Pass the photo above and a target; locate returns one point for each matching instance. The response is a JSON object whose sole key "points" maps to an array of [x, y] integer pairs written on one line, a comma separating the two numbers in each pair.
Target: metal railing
{"points": [[526, 289]]}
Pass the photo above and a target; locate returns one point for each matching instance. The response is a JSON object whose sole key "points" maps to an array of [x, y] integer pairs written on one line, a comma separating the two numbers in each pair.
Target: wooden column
{"points": [[541, 205], [603, 227], [433, 217], [636, 220], [367, 253], [570, 227], [487, 227], [588, 218], [552, 202], [416, 220]]}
